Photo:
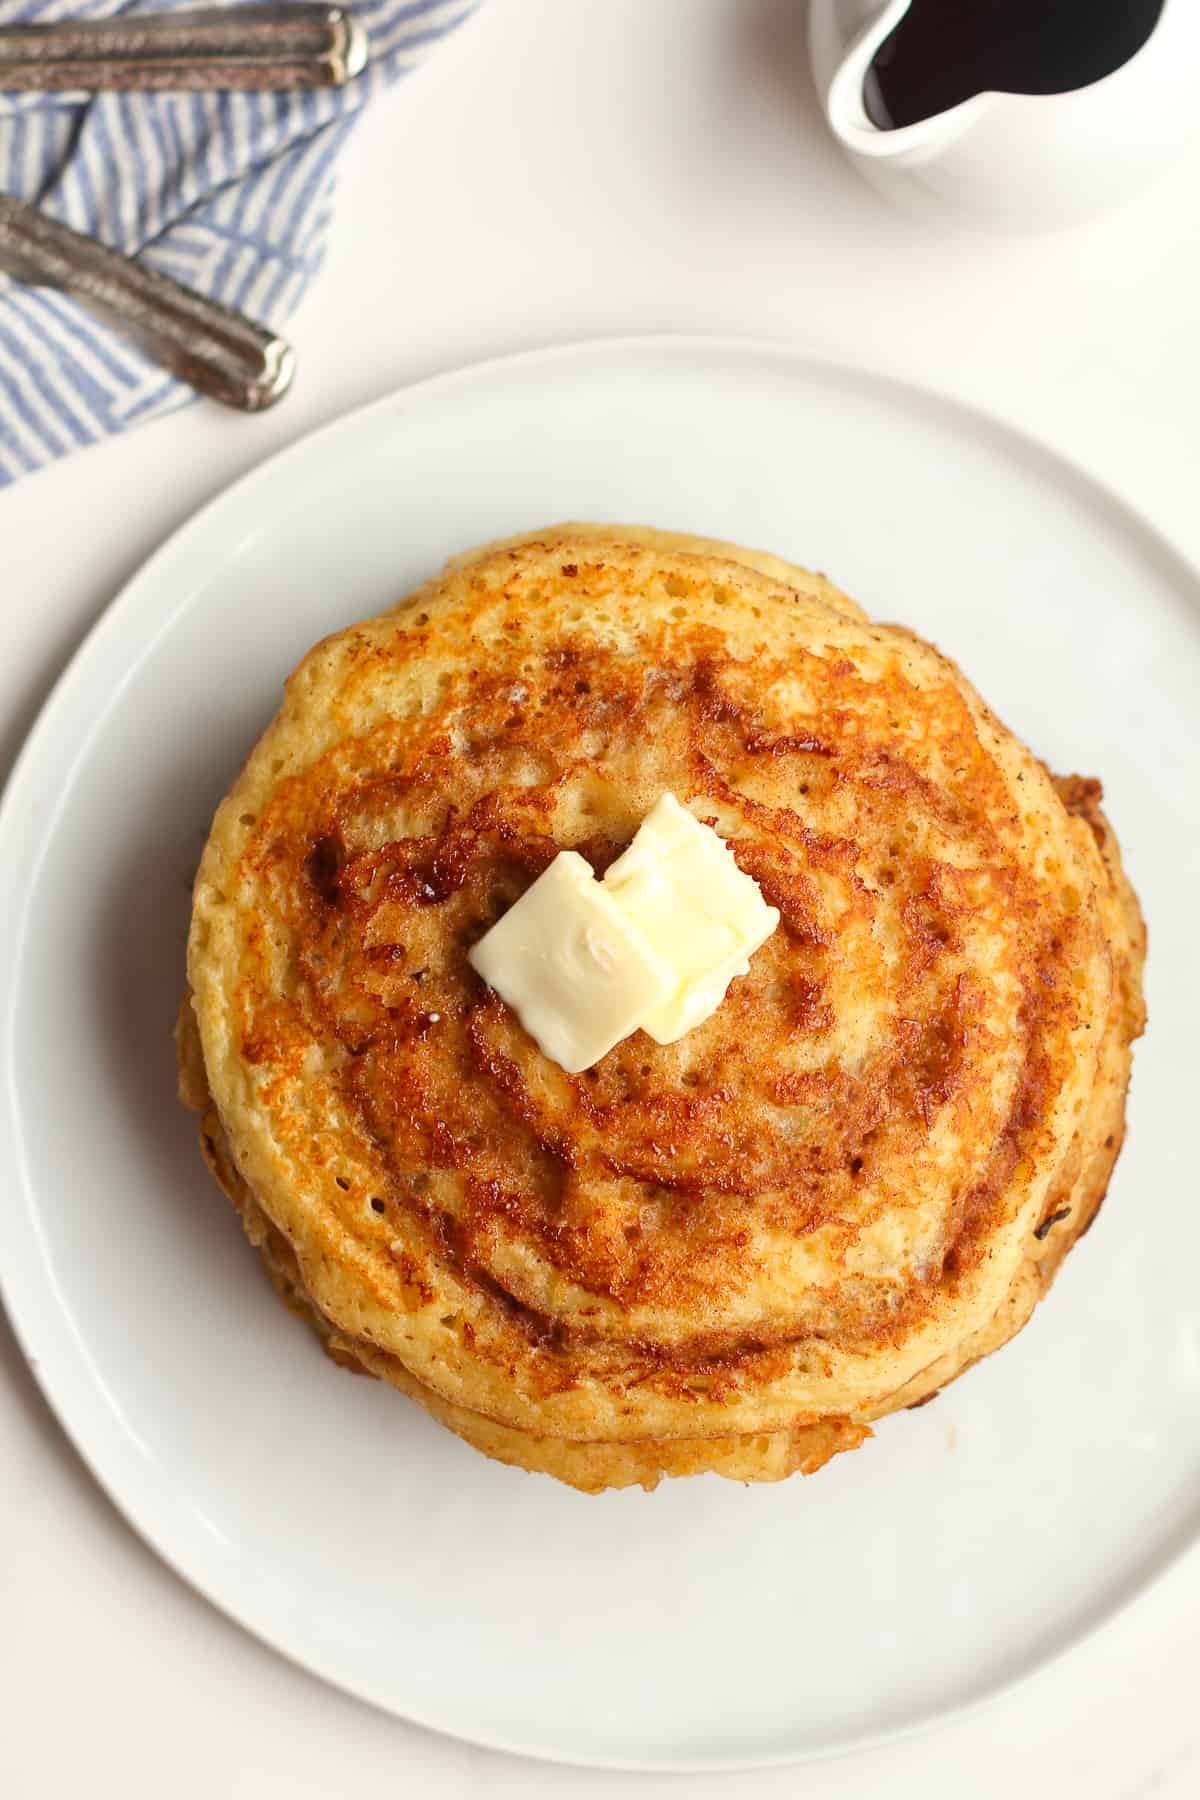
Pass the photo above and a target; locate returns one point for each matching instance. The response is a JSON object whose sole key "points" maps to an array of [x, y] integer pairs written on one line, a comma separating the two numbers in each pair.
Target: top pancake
{"points": [[822, 1191]]}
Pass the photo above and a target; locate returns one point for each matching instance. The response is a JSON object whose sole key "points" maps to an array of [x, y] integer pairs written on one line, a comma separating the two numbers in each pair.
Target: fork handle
{"points": [[289, 46], [214, 349]]}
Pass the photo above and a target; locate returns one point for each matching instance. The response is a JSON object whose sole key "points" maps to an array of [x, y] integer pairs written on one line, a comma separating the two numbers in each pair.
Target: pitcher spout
{"points": [[845, 44]]}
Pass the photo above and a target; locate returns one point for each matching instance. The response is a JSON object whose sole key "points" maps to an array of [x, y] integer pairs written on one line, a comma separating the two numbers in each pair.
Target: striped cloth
{"points": [[230, 193]]}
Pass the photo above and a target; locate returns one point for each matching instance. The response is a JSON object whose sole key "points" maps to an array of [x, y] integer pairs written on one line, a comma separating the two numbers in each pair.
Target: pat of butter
{"points": [[578, 973], [655, 945], [679, 884]]}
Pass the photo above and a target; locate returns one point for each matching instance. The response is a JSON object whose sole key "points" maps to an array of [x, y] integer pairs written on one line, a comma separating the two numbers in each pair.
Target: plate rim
{"points": [[27, 1287]]}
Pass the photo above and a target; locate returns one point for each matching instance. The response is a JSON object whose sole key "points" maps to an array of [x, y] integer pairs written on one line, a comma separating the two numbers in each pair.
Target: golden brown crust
{"points": [[590, 1467], [822, 1204]]}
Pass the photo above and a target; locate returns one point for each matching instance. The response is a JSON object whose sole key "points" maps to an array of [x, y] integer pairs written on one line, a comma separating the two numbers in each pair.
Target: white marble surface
{"points": [[571, 170]]}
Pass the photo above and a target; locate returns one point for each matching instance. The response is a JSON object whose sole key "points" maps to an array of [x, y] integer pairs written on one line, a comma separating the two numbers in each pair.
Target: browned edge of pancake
{"points": [[591, 1467]]}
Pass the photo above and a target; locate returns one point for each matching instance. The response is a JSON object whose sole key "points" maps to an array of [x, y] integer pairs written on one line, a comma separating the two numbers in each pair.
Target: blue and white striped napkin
{"points": [[230, 193]]}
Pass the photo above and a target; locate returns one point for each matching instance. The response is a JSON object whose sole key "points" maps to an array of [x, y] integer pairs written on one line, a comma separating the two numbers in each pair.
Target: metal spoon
{"points": [[216, 350], [240, 47]]}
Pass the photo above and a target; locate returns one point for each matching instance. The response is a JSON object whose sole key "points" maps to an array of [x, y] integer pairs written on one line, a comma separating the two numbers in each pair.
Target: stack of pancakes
{"points": [[734, 1252]]}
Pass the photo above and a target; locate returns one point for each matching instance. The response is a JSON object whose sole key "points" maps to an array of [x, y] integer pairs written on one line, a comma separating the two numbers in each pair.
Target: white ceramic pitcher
{"points": [[1019, 160]]}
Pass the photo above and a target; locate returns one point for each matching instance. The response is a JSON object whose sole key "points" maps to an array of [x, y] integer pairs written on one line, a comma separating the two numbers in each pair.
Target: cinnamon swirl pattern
{"points": [[731, 1253]]}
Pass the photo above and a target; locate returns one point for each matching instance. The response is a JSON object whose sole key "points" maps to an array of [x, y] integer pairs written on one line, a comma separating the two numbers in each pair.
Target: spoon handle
{"points": [[295, 45], [217, 351]]}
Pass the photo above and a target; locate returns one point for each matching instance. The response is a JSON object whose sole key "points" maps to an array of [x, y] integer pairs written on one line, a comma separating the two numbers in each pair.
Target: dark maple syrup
{"points": [[943, 51]]}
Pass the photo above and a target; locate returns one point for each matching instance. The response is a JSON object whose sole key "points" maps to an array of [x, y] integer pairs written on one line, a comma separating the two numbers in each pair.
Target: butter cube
{"points": [[679, 884], [577, 972]]}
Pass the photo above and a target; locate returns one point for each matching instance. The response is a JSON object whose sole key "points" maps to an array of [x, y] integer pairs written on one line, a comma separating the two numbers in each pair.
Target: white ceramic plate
{"points": [[707, 1624]]}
